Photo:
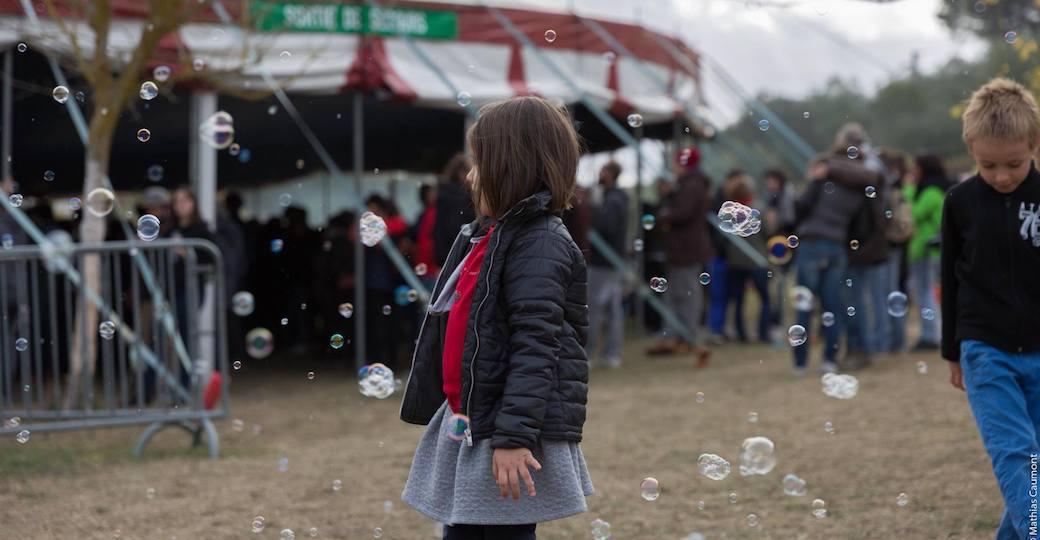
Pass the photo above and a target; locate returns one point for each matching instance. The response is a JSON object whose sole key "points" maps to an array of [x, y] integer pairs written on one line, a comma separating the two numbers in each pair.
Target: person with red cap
{"points": [[688, 249]]}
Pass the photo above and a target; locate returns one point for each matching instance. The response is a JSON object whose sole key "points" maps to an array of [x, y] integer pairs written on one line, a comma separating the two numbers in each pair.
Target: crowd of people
{"points": [[866, 224]]}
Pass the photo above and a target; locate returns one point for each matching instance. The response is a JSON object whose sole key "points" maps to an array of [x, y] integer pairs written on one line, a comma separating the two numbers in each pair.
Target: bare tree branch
{"points": [[77, 51]]}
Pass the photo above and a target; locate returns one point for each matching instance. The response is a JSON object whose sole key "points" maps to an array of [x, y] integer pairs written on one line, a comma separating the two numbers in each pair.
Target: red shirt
{"points": [[424, 244], [458, 322]]}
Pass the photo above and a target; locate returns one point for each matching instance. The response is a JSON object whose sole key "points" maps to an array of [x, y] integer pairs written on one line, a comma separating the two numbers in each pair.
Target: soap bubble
{"points": [[148, 91], [22, 47], [22, 437], [902, 500], [550, 35], [851, 310], [464, 99], [794, 486], [704, 278], [777, 251], [21, 344], [828, 427], [376, 380], [285, 56], [155, 173], [144, 135], [285, 200], [198, 64], [796, 335], [287, 534], [713, 466], [871, 192], [928, 314], [16, 200], [283, 464], [148, 227], [733, 498], [1010, 36], [237, 364], [637, 245], [739, 219], [802, 298], [840, 386], [259, 343], [792, 241], [276, 245], [421, 269], [694, 536], [897, 303], [336, 341], [806, 115], [258, 524], [242, 303], [852, 152], [337, 485], [457, 426], [752, 417], [757, 456], [346, 310], [218, 131], [600, 529], [659, 284], [373, 229], [635, 120], [922, 367], [763, 125], [650, 489], [752, 520], [648, 221], [819, 508], [827, 319], [161, 73], [7, 241], [387, 310], [60, 94], [107, 330], [854, 244], [48, 176]]}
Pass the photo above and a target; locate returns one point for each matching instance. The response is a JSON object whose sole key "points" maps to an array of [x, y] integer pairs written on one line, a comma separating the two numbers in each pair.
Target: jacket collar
{"points": [[521, 211]]}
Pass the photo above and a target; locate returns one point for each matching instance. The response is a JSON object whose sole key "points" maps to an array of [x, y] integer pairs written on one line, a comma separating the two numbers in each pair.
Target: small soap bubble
{"points": [[752, 520], [637, 245], [635, 120], [806, 115], [107, 330], [600, 529], [161, 73], [733, 498], [346, 310], [100, 202], [659, 284], [852, 152], [373, 229], [387, 310], [276, 245], [752, 417], [313, 532], [699, 397], [155, 173], [218, 130], [237, 364], [285, 56], [150, 493], [464, 99], [828, 427], [242, 303], [420, 269], [336, 341], [48, 176], [704, 278], [854, 244], [259, 343], [310, 375], [234, 149], [283, 464], [337, 485], [457, 426], [144, 135], [60, 94], [377, 532], [650, 489], [148, 227], [796, 335], [928, 314], [22, 47], [713, 466], [16, 200], [794, 486], [376, 380], [550, 35], [21, 344], [827, 319], [922, 367], [902, 500], [897, 303], [851, 311], [1010, 36], [757, 456], [148, 91], [648, 221], [198, 64], [819, 508], [763, 125], [22, 437], [285, 200], [840, 386], [792, 241], [287, 534], [871, 192]]}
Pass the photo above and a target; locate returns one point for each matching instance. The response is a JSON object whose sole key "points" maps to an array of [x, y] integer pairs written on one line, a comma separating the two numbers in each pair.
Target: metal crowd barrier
{"points": [[147, 360]]}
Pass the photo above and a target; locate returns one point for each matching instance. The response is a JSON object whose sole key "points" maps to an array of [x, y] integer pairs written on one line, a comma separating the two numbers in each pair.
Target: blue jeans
{"points": [[1004, 394], [718, 299], [923, 274], [868, 330], [821, 267], [736, 281]]}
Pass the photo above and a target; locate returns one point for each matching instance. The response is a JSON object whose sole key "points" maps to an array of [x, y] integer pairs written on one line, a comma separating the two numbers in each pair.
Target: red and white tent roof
{"points": [[485, 60]]}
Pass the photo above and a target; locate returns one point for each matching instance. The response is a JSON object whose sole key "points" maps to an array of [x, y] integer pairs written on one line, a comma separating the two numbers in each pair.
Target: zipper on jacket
{"points": [[418, 339]]}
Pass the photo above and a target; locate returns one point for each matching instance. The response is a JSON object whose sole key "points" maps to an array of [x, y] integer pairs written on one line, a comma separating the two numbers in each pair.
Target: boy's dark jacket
{"points": [[991, 266], [524, 370]]}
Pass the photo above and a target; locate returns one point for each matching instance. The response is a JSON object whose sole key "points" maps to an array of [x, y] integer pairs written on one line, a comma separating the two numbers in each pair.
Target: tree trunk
{"points": [[83, 355]]}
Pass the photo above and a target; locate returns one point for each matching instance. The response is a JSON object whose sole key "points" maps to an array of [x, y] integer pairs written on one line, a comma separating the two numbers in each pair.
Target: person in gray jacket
{"points": [[606, 318]]}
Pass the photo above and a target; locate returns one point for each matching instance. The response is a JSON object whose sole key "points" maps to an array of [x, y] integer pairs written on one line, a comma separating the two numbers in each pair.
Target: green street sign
{"points": [[353, 19]]}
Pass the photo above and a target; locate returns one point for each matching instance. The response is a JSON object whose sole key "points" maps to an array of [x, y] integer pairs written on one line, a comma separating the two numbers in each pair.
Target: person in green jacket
{"points": [[926, 190]]}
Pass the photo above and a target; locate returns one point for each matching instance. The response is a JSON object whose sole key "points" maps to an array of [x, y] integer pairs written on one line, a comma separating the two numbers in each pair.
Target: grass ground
{"points": [[904, 432]]}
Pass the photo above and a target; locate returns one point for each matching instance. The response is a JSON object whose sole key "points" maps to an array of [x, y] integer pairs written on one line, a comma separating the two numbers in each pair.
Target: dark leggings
{"points": [[489, 532]]}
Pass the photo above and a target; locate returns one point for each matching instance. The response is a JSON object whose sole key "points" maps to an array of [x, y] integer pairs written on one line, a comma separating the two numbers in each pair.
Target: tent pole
{"points": [[640, 255], [359, 248], [203, 161], [8, 118]]}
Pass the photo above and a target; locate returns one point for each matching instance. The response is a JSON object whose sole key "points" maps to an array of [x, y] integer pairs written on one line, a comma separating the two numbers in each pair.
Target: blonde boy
{"points": [[991, 292]]}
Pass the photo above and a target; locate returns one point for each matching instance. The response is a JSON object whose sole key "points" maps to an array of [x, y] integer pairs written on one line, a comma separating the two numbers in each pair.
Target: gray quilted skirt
{"points": [[454, 484]]}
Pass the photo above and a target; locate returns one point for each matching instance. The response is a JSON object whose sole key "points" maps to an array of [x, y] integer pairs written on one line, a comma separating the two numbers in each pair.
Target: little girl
{"points": [[500, 375]]}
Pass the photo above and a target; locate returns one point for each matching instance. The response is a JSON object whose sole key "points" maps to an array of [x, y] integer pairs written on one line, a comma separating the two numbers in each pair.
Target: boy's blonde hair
{"points": [[1003, 110]]}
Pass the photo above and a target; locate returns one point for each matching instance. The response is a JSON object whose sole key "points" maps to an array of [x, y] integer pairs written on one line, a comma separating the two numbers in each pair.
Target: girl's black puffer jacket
{"points": [[524, 369]]}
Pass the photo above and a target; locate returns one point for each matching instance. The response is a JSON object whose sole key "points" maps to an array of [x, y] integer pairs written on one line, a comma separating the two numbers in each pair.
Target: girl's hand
{"points": [[956, 377], [509, 466], [819, 171]]}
